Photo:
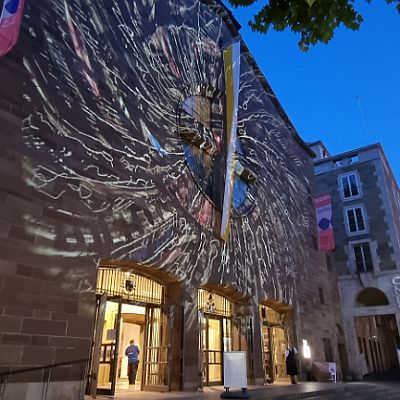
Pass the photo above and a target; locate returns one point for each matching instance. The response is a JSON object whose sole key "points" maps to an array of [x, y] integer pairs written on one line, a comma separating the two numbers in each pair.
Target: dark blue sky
{"points": [[318, 89]]}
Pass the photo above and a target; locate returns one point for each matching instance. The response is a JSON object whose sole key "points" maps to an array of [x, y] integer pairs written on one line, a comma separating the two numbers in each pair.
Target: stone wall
{"points": [[94, 166]]}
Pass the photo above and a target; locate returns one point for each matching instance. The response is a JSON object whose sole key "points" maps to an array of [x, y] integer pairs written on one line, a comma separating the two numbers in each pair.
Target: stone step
{"points": [[359, 392], [363, 394]]}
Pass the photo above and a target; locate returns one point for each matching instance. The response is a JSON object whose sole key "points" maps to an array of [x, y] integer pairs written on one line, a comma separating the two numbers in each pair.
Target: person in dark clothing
{"points": [[132, 352], [291, 363]]}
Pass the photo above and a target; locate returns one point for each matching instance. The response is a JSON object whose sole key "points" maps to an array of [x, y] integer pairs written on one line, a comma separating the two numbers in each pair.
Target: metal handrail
{"points": [[50, 367]]}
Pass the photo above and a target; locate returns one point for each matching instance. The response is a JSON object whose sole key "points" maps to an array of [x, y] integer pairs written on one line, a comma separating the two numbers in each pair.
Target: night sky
{"points": [[319, 89]]}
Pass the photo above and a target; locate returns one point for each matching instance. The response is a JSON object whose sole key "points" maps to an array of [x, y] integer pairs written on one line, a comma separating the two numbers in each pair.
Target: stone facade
{"points": [[96, 169], [377, 196]]}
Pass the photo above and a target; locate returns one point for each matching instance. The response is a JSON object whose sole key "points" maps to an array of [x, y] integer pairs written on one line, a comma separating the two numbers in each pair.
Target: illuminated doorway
{"points": [[275, 340], [129, 306], [215, 323]]}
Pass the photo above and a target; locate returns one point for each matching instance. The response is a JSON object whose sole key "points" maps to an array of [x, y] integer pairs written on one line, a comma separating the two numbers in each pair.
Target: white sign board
{"points": [[235, 370], [332, 371]]}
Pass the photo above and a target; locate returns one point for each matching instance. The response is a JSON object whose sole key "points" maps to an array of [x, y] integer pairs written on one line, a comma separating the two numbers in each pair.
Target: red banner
{"points": [[323, 209], [10, 21]]}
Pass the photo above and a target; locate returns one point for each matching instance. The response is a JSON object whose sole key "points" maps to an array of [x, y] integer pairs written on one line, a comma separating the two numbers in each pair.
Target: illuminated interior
{"points": [[215, 333], [131, 327], [275, 342], [132, 312]]}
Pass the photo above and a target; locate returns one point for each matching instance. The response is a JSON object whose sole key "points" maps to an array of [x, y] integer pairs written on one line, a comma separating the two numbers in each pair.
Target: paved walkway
{"points": [[275, 391]]}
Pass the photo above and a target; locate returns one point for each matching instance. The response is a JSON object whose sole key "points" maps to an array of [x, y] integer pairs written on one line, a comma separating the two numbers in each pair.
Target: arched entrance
{"points": [[376, 332], [277, 334], [129, 306], [225, 324]]}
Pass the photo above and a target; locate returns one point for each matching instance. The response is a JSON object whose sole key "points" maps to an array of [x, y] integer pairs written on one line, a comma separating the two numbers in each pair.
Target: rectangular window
{"points": [[396, 195], [360, 347], [321, 296], [355, 219], [328, 262], [362, 254], [349, 186], [328, 350]]}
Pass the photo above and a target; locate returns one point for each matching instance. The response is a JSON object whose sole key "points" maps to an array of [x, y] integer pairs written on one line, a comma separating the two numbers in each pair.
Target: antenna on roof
{"points": [[363, 119]]}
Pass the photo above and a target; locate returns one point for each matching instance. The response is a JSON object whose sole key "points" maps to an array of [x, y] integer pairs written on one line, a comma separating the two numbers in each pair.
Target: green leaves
{"points": [[314, 20]]}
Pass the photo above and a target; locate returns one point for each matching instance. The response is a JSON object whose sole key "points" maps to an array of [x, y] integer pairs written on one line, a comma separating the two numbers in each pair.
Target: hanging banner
{"points": [[323, 209], [10, 22], [232, 77]]}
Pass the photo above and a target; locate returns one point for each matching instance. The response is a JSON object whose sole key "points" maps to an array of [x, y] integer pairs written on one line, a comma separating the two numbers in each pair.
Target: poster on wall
{"points": [[323, 209]]}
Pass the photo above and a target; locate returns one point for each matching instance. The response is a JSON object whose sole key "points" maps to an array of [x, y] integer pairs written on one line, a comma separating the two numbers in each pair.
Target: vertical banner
{"points": [[232, 77], [10, 22], [323, 209]]}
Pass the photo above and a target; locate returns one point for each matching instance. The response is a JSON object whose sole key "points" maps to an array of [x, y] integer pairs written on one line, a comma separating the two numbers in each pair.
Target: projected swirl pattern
{"points": [[109, 80]]}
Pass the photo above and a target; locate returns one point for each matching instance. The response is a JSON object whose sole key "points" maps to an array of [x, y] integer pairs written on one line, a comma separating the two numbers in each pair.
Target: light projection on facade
{"points": [[125, 108]]}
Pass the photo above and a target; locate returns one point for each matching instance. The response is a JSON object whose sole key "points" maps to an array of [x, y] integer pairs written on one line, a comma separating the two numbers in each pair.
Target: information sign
{"points": [[235, 370]]}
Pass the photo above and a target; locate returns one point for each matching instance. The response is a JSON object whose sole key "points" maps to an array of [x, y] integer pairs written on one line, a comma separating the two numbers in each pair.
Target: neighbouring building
{"points": [[112, 154], [366, 222]]}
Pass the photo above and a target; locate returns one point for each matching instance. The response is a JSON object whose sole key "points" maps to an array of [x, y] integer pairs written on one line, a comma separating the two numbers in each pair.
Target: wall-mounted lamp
{"points": [[129, 285]]}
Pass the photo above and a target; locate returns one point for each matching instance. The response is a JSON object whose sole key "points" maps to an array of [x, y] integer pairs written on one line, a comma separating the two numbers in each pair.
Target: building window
{"points": [[355, 220], [328, 262], [321, 296], [354, 159], [396, 194], [328, 350], [360, 346], [128, 285], [349, 186], [362, 254], [366, 352]]}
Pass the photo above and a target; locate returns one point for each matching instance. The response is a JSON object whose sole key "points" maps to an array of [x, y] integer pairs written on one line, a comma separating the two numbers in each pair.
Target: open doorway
{"points": [[129, 307], [378, 338], [122, 323], [276, 335], [132, 328]]}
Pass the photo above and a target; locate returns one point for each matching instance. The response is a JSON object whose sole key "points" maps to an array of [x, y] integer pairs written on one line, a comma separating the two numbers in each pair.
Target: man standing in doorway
{"points": [[132, 351]]}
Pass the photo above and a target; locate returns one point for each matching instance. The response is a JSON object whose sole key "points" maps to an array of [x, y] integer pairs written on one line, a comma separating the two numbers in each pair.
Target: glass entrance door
{"points": [[267, 354], [215, 338], [274, 346], [279, 356], [129, 307], [155, 368], [108, 360]]}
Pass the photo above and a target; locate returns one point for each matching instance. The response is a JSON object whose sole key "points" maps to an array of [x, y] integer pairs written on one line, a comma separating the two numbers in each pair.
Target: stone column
{"points": [[352, 346], [258, 369], [192, 378], [173, 303]]}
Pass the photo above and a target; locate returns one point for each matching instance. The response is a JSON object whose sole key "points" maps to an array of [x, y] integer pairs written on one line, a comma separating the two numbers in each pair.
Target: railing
{"points": [[156, 370], [6, 377]]}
